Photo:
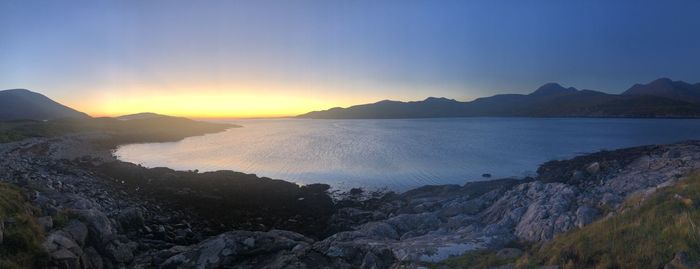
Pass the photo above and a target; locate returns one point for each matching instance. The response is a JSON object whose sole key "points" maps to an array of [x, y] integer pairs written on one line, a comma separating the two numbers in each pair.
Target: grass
{"points": [[137, 130], [22, 237], [647, 234], [476, 259]]}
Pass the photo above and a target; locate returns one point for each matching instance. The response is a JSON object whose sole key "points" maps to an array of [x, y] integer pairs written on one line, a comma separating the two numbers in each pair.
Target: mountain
{"points": [[665, 87], [21, 104], [549, 100], [143, 115]]}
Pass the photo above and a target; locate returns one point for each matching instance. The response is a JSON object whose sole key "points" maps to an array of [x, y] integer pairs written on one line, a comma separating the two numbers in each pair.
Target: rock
{"points": [[131, 217], [93, 259], [77, 230], [120, 252], [415, 223], [680, 261], [585, 215], [372, 260], [577, 175], [509, 253], [99, 226], [547, 211], [486, 175], [65, 259], [2, 231], [593, 168], [272, 250], [250, 242], [46, 222], [63, 251]]}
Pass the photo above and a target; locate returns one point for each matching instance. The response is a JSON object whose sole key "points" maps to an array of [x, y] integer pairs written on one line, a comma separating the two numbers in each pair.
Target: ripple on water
{"points": [[402, 153]]}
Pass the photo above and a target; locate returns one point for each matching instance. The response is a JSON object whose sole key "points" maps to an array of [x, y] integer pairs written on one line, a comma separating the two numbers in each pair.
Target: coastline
{"points": [[417, 227]]}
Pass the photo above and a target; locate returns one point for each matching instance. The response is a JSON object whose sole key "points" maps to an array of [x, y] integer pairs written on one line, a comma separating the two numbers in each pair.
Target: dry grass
{"points": [[22, 236], [646, 235]]}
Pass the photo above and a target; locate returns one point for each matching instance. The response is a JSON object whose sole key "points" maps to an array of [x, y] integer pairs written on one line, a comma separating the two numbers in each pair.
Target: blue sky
{"points": [[102, 56]]}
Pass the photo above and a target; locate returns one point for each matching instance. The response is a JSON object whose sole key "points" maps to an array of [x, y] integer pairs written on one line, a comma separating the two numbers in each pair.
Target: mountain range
{"points": [[660, 98]]}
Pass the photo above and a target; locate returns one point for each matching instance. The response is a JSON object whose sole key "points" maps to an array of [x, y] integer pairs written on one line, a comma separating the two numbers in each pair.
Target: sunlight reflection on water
{"points": [[402, 153]]}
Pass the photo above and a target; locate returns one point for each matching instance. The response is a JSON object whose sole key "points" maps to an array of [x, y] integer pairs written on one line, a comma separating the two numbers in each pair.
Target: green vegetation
{"points": [[20, 246], [647, 234], [122, 131], [476, 259]]}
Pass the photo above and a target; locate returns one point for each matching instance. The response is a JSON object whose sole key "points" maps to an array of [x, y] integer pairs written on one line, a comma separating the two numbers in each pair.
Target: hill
{"points": [[21, 104], [143, 115], [665, 87], [549, 100]]}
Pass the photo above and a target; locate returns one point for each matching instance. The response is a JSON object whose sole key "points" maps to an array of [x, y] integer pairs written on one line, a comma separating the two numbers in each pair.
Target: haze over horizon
{"points": [[281, 58]]}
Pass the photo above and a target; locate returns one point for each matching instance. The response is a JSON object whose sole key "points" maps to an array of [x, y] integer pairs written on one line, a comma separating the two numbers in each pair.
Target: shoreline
{"points": [[413, 227]]}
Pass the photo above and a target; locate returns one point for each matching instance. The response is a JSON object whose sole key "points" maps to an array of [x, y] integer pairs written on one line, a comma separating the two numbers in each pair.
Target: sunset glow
{"points": [[214, 101], [284, 58]]}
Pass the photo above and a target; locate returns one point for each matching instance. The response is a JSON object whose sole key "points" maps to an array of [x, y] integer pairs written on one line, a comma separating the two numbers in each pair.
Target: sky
{"points": [[262, 58]]}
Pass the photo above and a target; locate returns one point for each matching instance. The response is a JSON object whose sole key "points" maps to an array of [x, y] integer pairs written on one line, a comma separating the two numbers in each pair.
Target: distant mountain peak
{"points": [[552, 88], [18, 90], [668, 88], [663, 80], [23, 104], [439, 99], [142, 115]]}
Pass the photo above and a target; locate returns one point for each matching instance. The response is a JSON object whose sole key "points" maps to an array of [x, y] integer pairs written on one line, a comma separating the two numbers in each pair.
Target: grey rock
{"points": [[120, 252], [63, 251], [681, 260], [131, 217], [93, 258], [249, 242], [77, 230], [2, 231], [45, 222], [63, 258], [593, 168], [272, 250], [100, 228], [585, 215]]}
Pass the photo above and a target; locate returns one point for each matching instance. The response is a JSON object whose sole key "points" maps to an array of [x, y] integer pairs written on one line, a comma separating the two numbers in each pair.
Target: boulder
{"points": [[77, 230], [63, 251], [131, 218], [100, 228], [120, 252], [65, 259], [593, 168], [45, 222]]}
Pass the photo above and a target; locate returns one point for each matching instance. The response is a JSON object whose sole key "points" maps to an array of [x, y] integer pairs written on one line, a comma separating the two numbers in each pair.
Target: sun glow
{"points": [[212, 103]]}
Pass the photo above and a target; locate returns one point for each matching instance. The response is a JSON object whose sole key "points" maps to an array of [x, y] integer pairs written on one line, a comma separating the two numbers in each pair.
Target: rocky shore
{"points": [[99, 212]]}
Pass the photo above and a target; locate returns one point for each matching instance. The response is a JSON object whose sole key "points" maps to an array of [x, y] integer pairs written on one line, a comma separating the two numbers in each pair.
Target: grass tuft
{"points": [[22, 235]]}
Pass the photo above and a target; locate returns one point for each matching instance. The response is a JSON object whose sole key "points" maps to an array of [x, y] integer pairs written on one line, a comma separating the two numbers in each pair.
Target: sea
{"points": [[400, 154]]}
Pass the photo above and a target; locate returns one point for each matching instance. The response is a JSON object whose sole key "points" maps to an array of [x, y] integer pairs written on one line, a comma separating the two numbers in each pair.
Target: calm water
{"points": [[405, 153]]}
